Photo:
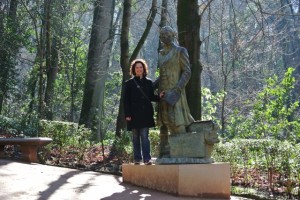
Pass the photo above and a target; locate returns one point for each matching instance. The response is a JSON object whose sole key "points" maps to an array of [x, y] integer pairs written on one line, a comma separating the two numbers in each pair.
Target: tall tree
{"points": [[9, 47], [51, 67], [163, 18], [55, 12], [124, 61], [98, 60], [37, 73], [290, 42], [125, 58], [150, 20], [188, 22]]}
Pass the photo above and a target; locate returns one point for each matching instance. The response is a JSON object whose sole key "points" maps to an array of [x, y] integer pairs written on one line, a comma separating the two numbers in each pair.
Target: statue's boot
{"points": [[164, 147]]}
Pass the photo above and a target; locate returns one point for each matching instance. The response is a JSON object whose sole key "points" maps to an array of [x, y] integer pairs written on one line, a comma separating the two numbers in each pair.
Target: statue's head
{"points": [[167, 34]]}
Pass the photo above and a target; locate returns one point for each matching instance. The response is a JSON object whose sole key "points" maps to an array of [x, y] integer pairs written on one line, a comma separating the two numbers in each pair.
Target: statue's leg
{"points": [[164, 148]]}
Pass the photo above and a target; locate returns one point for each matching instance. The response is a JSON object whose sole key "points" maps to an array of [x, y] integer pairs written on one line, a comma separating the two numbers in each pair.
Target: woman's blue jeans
{"points": [[140, 142]]}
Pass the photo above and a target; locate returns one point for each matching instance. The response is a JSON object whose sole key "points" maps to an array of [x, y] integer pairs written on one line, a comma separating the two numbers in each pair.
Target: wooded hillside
{"points": [[68, 60]]}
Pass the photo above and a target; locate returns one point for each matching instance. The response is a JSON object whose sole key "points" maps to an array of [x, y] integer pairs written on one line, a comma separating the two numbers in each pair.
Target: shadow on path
{"points": [[57, 184], [132, 192]]}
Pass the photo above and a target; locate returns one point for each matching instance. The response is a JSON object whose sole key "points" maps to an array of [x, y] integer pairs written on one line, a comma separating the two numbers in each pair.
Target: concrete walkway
{"points": [[23, 181]]}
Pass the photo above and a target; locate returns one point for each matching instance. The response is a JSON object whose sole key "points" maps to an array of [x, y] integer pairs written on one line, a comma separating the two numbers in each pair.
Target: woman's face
{"points": [[139, 70]]}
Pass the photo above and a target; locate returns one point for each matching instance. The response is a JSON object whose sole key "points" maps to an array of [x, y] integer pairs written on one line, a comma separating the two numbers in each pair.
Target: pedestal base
{"points": [[197, 180]]}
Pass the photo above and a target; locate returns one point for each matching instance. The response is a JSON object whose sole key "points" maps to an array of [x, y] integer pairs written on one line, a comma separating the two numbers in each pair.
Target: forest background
{"points": [[65, 62]]}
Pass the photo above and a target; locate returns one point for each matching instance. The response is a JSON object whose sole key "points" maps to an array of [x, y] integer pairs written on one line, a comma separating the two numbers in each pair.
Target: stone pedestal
{"points": [[195, 180], [192, 147]]}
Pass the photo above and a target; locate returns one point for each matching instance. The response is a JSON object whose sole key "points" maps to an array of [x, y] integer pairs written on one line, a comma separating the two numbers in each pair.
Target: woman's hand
{"points": [[162, 94], [128, 118]]}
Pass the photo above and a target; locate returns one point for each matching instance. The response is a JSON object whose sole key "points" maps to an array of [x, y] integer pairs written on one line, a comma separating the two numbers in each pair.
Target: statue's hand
{"points": [[171, 97]]}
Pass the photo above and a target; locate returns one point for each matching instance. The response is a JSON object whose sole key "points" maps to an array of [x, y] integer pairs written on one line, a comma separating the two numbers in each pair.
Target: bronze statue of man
{"points": [[174, 69]]}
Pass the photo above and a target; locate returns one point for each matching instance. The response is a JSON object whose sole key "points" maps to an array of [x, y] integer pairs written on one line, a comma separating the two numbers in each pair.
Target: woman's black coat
{"points": [[136, 105]]}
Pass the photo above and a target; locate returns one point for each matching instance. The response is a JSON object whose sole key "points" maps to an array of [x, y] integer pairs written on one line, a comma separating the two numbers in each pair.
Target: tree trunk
{"points": [[51, 68], [290, 46], [73, 87], [150, 20], [8, 51], [188, 22], [164, 12], [36, 75], [41, 51], [1, 56], [163, 18], [124, 61], [52, 71], [98, 57]]}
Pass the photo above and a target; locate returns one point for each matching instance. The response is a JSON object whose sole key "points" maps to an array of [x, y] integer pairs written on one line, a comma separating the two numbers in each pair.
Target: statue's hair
{"points": [[169, 29]]}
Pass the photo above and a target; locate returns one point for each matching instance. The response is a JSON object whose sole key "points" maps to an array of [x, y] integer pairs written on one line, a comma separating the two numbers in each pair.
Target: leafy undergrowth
{"points": [[253, 183], [89, 159], [92, 158]]}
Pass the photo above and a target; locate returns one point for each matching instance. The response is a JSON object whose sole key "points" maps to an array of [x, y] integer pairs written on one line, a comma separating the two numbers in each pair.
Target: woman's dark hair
{"points": [[133, 64]]}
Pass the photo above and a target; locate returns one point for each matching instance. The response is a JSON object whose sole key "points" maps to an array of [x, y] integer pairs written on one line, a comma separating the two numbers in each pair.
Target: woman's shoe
{"points": [[136, 162], [148, 163]]}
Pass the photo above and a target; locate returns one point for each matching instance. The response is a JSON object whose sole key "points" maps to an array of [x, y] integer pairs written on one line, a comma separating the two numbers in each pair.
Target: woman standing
{"points": [[139, 112]]}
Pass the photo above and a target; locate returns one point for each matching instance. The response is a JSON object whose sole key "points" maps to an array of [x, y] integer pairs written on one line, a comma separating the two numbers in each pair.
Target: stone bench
{"points": [[28, 146]]}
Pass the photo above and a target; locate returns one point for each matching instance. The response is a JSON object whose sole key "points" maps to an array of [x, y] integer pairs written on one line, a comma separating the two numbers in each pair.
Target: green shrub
{"points": [[64, 133], [272, 114], [9, 125], [122, 147], [154, 142], [25, 125], [68, 138], [279, 160]]}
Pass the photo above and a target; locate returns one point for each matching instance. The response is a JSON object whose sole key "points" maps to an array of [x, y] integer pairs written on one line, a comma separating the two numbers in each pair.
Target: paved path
{"points": [[23, 181]]}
